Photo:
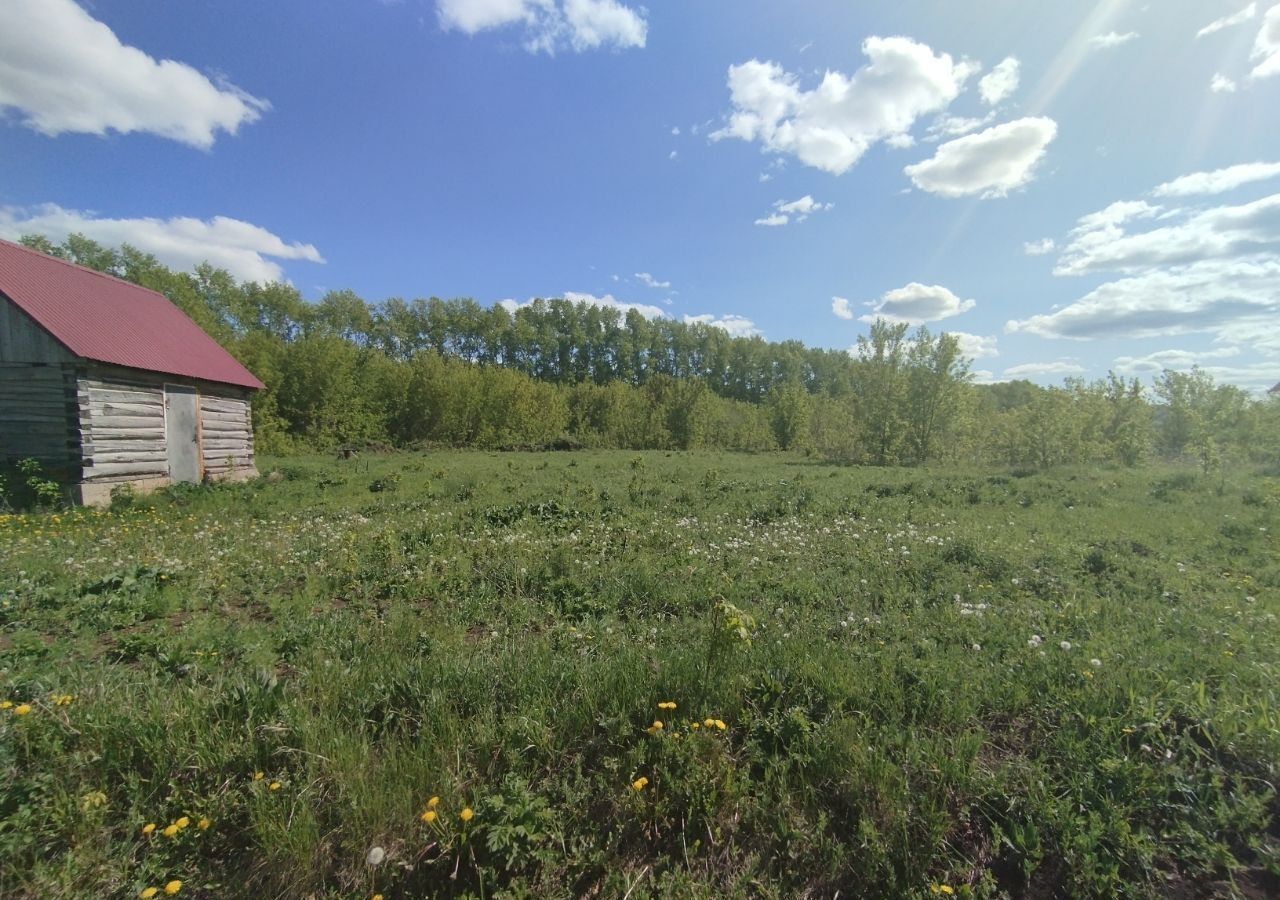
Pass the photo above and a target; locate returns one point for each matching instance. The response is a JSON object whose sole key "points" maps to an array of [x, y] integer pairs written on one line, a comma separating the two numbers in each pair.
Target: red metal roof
{"points": [[112, 321]]}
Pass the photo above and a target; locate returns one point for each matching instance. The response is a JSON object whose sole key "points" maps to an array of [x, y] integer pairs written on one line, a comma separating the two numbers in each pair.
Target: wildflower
{"points": [[1035, 641], [640, 783], [941, 889], [655, 727], [695, 725], [709, 723], [377, 897], [22, 709], [203, 824], [429, 816], [466, 814], [669, 704], [183, 822], [375, 856], [1096, 663], [720, 725], [148, 893], [173, 887], [257, 776], [6, 704], [63, 699], [1065, 645], [433, 803], [170, 831], [274, 786], [149, 827]]}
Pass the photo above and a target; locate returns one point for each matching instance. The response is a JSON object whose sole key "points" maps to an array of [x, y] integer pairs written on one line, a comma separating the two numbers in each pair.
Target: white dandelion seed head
{"points": [[375, 856], [1065, 645]]}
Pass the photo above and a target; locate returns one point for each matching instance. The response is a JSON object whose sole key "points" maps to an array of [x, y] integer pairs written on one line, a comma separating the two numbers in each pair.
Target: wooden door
{"points": [[182, 432]]}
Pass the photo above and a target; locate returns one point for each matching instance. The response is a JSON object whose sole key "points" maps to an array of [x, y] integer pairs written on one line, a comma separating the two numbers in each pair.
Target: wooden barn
{"points": [[108, 383]]}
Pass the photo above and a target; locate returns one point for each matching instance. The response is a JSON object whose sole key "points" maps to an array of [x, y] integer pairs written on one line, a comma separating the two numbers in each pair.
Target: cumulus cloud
{"points": [[1191, 235], [1040, 247], [1059, 367], [649, 281], [64, 71], [246, 251], [990, 163], [1219, 180], [793, 211], [737, 326], [976, 346], [1266, 47], [1154, 363], [1000, 82], [840, 307], [949, 126], [1207, 295], [1221, 84], [831, 126], [1237, 18], [1112, 39], [917, 303], [548, 25]]}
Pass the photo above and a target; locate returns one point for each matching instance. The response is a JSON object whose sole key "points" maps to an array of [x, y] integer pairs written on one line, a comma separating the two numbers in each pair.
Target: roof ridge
{"points": [[66, 262]]}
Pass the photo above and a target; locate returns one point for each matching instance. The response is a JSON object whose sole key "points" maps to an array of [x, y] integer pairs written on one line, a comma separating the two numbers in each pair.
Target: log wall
{"points": [[121, 428], [39, 417], [226, 434]]}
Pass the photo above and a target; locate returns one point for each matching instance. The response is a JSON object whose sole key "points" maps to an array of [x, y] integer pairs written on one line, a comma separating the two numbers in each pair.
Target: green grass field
{"points": [[887, 683]]}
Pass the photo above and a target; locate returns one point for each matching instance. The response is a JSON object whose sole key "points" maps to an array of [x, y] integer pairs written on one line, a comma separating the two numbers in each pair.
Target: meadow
{"points": [[665, 674]]}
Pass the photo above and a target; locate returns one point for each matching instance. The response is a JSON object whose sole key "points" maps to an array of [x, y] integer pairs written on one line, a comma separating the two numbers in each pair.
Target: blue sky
{"points": [[1074, 187]]}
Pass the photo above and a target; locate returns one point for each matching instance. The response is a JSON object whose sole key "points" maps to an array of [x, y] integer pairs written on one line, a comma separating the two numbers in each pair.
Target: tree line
{"points": [[553, 373]]}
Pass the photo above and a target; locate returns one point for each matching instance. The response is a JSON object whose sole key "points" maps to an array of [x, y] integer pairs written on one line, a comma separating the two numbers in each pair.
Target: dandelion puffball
{"points": [[375, 856]]}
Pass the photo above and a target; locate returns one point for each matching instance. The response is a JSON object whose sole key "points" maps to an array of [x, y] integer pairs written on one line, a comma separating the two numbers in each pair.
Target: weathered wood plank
{"points": [[108, 470]]}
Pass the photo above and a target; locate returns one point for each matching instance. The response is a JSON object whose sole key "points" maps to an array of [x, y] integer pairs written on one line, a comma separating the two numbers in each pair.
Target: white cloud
{"points": [[649, 281], [672, 155], [949, 126], [676, 131], [1000, 82], [840, 306], [549, 25], [64, 71], [1221, 84], [1218, 233], [1238, 18], [245, 250], [917, 303], [1154, 363], [990, 163], [794, 210], [1266, 47], [833, 125], [976, 346], [1239, 299], [1112, 39], [1057, 367], [1219, 180], [737, 326], [1040, 247]]}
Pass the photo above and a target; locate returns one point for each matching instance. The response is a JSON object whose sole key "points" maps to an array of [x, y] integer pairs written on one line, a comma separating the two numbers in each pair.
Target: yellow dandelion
{"points": [[258, 776], [695, 725], [466, 814], [173, 887], [720, 725], [710, 723], [148, 893], [203, 824], [377, 897], [6, 704], [640, 783], [667, 704], [274, 786], [170, 831], [428, 816], [183, 822], [149, 827], [22, 709], [433, 803], [655, 727]]}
